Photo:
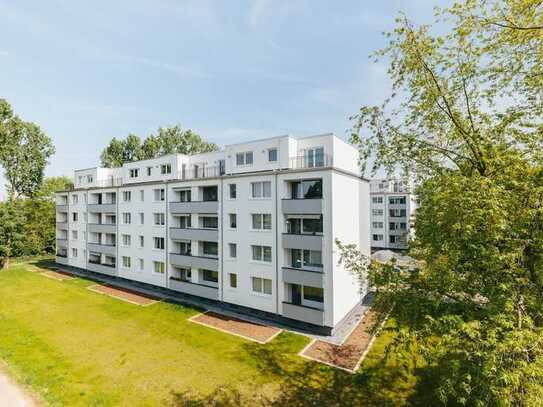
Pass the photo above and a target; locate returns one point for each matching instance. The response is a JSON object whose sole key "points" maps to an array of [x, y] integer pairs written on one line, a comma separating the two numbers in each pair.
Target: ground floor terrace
{"points": [[71, 340]]}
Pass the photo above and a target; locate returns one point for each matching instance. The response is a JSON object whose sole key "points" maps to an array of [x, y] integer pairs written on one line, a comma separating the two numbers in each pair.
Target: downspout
{"points": [[276, 248]]}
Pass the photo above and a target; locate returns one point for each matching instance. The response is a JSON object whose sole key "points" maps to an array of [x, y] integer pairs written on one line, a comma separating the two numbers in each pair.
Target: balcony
{"points": [[62, 208], [102, 227], [102, 248], [184, 260], [199, 290], [318, 160], [303, 313], [100, 208], [306, 206], [208, 235], [102, 268], [194, 207], [200, 173], [302, 241], [62, 225], [62, 242], [308, 277]]}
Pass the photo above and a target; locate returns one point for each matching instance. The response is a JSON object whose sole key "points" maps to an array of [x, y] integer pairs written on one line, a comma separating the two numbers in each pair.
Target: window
{"points": [[166, 169], [159, 219], [142, 218], [127, 196], [403, 226], [396, 200], [74, 252], [397, 213], [142, 241], [261, 189], [272, 155], [126, 261], [377, 238], [232, 250], [209, 222], [314, 157], [185, 274], [75, 199], [262, 253], [185, 248], [127, 239], [159, 194], [313, 294], [312, 225], [149, 171], [209, 194], [142, 264], [210, 276], [210, 249], [90, 178], [74, 216], [134, 172], [233, 220], [377, 225], [233, 280], [377, 212], [261, 221], [306, 258], [158, 267], [262, 285], [184, 195], [127, 218], [74, 234], [244, 158], [377, 199], [142, 195], [393, 239], [159, 243], [232, 193], [184, 222], [307, 189]]}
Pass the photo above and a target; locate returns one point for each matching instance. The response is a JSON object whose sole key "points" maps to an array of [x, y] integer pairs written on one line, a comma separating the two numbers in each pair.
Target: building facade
{"points": [[251, 226], [393, 207]]}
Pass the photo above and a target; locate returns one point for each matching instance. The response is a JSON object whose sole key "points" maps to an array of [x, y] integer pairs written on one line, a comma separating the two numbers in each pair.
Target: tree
{"points": [[465, 117], [24, 152], [168, 140]]}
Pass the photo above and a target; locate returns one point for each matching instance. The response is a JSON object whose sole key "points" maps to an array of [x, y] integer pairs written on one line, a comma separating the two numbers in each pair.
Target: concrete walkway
{"points": [[12, 395]]}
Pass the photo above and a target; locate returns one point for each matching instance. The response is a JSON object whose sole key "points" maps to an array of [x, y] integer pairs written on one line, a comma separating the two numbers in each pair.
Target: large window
{"points": [[261, 285], [159, 194], [158, 267], [184, 248], [396, 200], [126, 261], [126, 240], [397, 213], [210, 276], [210, 222], [377, 199], [210, 193], [159, 219], [185, 222], [158, 243], [166, 169], [377, 212], [306, 258], [314, 157], [377, 225], [308, 189], [261, 189], [184, 195], [261, 221], [210, 249], [244, 158], [377, 238], [309, 225], [261, 253], [314, 294]]}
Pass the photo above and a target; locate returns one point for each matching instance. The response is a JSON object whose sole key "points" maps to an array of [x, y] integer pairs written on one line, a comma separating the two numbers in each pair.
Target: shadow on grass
{"points": [[305, 383]]}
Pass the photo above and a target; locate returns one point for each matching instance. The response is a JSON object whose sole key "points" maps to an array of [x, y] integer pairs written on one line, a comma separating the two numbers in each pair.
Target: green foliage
{"points": [[465, 117], [24, 152], [168, 140], [27, 226]]}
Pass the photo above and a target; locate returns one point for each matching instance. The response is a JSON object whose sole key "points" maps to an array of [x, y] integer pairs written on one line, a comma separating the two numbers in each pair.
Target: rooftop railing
{"points": [[311, 161], [200, 172]]}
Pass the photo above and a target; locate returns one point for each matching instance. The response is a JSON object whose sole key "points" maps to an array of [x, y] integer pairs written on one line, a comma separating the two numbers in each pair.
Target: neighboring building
{"points": [[393, 206], [252, 226]]}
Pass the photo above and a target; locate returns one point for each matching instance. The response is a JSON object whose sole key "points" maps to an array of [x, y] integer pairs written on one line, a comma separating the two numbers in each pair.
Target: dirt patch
{"points": [[123, 294], [350, 353], [235, 326], [58, 275]]}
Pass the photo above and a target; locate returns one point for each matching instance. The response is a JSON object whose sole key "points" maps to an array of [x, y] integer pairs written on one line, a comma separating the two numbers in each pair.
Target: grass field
{"points": [[72, 346]]}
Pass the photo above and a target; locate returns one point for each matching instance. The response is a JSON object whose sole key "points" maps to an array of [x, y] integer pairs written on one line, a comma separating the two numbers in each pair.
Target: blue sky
{"points": [[230, 70]]}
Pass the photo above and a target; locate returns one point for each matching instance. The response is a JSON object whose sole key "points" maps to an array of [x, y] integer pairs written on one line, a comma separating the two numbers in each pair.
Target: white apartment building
{"points": [[393, 207], [251, 227]]}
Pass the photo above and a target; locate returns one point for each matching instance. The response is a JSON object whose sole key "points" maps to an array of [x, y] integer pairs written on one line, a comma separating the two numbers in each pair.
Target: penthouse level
{"points": [[252, 226]]}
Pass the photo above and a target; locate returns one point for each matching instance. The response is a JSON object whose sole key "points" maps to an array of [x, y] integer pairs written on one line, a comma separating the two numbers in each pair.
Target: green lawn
{"points": [[72, 346]]}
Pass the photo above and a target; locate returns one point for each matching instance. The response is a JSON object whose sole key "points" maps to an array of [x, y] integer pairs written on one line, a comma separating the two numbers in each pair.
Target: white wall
{"points": [[80, 244]]}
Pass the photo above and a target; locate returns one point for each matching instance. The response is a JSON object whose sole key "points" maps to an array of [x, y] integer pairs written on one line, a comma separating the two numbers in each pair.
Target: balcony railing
{"points": [[203, 172], [316, 161]]}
